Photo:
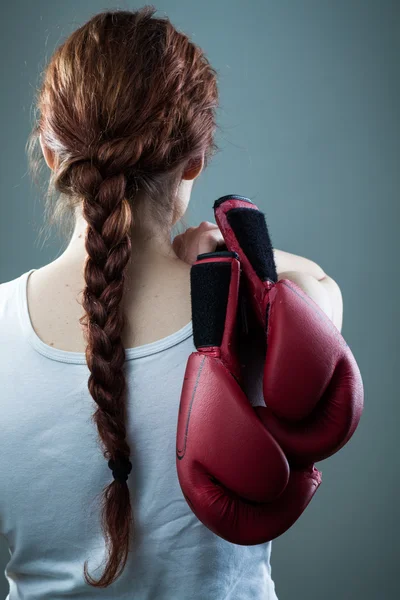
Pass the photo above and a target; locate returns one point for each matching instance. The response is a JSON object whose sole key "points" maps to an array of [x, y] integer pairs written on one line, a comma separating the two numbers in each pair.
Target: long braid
{"points": [[126, 104], [108, 246]]}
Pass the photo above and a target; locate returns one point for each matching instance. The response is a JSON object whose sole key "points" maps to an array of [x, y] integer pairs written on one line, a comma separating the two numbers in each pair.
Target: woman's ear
{"points": [[47, 153], [194, 169]]}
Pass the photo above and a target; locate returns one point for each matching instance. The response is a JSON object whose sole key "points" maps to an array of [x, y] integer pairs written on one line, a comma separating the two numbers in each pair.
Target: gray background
{"points": [[310, 118]]}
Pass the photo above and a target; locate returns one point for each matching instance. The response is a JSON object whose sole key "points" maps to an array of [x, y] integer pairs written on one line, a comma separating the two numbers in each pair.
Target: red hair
{"points": [[126, 104]]}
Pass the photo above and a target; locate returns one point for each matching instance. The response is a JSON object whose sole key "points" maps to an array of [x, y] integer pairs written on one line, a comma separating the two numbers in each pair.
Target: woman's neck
{"points": [[149, 248]]}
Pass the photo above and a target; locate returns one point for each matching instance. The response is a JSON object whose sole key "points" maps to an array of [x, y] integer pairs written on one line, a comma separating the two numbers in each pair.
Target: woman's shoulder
{"points": [[285, 261], [8, 289]]}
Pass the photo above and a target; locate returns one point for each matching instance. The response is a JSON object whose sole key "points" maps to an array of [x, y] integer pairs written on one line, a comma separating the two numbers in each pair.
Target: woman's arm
{"points": [[206, 237], [312, 279]]}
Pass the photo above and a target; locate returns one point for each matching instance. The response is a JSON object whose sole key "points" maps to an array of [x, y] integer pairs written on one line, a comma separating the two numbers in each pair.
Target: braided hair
{"points": [[127, 102]]}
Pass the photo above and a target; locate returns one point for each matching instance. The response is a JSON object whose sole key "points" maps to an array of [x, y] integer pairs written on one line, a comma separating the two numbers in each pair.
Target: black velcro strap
{"points": [[209, 283], [251, 231]]}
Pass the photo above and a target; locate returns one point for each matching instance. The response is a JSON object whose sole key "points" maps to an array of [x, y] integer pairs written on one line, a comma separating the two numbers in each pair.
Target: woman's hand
{"points": [[197, 240]]}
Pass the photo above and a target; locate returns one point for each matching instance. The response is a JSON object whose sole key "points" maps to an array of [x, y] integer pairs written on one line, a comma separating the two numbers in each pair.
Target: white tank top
{"points": [[52, 472]]}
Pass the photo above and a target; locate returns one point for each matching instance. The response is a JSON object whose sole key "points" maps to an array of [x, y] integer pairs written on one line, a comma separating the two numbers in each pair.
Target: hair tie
{"points": [[120, 469]]}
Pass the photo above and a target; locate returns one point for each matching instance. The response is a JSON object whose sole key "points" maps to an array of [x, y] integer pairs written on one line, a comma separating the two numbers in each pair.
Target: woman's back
{"points": [[156, 301], [52, 472]]}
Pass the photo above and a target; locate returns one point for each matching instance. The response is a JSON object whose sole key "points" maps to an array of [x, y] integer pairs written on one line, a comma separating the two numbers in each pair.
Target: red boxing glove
{"points": [[232, 472], [312, 385]]}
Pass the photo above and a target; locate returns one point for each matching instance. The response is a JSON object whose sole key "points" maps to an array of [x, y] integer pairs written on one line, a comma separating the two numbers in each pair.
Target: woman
{"points": [[94, 344]]}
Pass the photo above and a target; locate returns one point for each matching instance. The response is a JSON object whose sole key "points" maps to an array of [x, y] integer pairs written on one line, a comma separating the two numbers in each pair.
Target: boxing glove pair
{"points": [[247, 472]]}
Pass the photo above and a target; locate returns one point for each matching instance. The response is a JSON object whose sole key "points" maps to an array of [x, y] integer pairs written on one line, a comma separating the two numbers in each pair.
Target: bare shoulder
{"points": [[285, 261], [313, 280]]}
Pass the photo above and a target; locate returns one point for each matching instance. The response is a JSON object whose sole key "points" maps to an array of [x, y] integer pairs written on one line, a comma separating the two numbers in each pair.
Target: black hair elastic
{"points": [[120, 469]]}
